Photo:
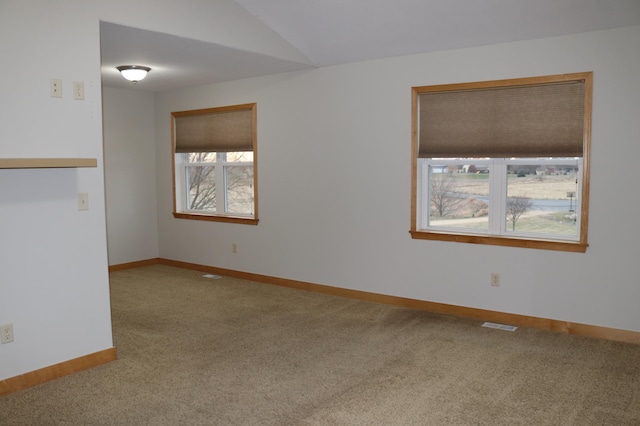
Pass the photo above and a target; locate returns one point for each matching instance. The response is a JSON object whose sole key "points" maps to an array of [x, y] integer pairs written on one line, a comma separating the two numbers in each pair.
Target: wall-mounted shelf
{"points": [[46, 163]]}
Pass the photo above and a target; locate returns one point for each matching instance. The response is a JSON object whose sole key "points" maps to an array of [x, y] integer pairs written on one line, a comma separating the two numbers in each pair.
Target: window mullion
{"points": [[424, 202], [497, 197], [221, 185], [578, 206], [184, 176]]}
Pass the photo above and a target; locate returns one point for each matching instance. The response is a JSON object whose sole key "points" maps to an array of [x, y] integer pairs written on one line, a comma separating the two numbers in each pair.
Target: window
{"points": [[215, 164], [503, 162]]}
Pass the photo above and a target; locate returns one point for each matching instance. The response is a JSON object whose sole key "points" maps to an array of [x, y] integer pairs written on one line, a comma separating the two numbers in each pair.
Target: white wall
{"points": [[53, 272], [53, 258], [334, 184], [130, 175]]}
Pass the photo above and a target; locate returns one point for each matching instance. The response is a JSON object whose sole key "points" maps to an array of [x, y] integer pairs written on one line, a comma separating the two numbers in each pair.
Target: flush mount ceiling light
{"points": [[133, 73]]}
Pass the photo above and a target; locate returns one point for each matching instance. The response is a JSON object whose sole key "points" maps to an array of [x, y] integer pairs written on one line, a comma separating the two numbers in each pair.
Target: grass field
{"points": [[535, 222], [547, 187]]}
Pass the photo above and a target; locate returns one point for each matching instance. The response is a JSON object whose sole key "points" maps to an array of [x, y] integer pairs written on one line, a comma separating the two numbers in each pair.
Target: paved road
{"points": [[538, 204]]}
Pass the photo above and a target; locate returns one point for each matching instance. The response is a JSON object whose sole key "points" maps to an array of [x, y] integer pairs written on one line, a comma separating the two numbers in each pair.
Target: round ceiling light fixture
{"points": [[133, 73]]}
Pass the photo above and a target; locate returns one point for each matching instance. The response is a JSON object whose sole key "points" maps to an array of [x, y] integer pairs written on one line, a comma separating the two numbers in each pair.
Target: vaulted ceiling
{"points": [[331, 32]]}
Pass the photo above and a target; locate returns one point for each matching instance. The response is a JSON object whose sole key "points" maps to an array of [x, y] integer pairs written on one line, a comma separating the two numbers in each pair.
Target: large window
{"points": [[503, 162], [215, 164]]}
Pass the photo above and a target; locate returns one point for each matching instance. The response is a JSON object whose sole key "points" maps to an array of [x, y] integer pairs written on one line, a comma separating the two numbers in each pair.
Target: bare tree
{"points": [[240, 189], [444, 199], [238, 180], [516, 206], [477, 206], [202, 185]]}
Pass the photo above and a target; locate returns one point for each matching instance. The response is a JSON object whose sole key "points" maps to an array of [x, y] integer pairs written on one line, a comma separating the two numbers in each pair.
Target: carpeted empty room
{"points": [[200, 351]]}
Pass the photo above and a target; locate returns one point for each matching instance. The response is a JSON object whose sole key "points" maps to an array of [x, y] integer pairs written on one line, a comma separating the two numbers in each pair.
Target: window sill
{"points": [[576, 247], [216, 218]]}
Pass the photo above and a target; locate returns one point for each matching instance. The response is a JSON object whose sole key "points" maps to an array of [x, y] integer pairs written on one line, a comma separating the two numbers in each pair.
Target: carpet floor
{"points": [[199, 351]]}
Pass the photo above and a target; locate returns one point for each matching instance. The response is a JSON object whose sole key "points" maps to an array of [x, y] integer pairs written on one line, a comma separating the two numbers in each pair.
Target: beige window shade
{"points": [[544, 120], [224, 131]]}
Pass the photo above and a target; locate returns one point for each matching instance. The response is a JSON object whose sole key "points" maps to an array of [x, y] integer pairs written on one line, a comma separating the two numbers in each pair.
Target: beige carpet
{"points": [[197, 351]]}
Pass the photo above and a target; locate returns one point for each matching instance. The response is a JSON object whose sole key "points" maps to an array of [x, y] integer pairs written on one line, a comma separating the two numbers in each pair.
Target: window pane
{"points": [[202, 188], [542, 199], [239, 181], [242, 156], [201, 157], [459, 197]]}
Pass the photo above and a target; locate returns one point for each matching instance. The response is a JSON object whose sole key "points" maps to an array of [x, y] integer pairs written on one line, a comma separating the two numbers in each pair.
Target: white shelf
{"points": [[46, 163]]}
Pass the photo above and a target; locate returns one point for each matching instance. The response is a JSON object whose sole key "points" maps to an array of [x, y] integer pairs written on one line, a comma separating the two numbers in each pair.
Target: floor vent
{"points": [[500, 326]]}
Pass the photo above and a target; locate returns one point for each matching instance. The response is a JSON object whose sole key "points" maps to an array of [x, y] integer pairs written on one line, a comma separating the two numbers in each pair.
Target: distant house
{"points": [[556, 170], [475, 169]]}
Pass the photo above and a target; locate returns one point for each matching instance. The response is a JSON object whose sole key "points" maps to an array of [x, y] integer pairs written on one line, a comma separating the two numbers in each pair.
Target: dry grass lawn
{"points": [[549, 187]]}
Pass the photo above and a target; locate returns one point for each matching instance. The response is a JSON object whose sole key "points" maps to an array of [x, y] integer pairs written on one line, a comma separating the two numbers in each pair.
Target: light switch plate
{"points": [[83, 201], [55, 86]]}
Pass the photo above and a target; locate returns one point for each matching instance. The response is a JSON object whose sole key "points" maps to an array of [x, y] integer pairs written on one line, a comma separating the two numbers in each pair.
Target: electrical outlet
{"points": [[234, 248], [78, 90], [6, 333], [495, 279]]}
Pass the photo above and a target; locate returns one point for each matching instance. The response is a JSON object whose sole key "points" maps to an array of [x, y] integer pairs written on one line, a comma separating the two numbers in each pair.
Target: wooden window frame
{"points": [[500, 240], [210, 216]]}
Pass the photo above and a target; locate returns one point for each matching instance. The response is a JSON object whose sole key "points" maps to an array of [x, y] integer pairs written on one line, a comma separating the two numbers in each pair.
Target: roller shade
{"points": [[224, 131], [544, 120]]}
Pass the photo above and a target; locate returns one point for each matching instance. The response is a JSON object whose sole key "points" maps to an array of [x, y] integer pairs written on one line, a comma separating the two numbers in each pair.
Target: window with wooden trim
{"points": [[503, 162], [214, 167]]}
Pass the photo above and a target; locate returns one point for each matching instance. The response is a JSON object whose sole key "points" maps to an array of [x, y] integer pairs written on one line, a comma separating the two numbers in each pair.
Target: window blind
{"points": [[544, 120], [214, 131]]}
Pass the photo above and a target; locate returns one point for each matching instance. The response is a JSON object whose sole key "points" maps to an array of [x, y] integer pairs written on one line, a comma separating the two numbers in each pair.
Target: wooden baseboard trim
{"points": [[441, 308], [33, 378], [132, 265]]}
